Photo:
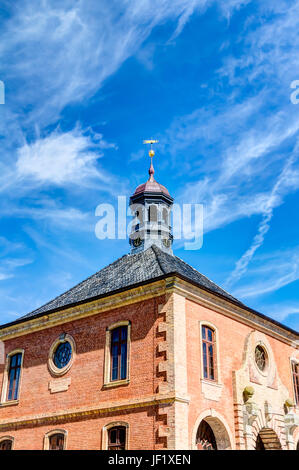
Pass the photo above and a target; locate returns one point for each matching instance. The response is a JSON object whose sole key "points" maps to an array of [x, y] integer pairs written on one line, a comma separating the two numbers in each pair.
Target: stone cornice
{"points": [[92, 411], [147, 291], [223, 306], [87, 309]]}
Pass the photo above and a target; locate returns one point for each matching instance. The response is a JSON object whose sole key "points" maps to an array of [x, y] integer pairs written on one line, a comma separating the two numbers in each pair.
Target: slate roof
{"points": [[132, 270], [128, 271]]}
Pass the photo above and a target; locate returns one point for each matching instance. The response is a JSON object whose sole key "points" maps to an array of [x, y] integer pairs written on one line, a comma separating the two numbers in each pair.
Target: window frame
{"points": [[217, 368], [108, 382], [8, 438], [261, 348], [5, 383], [108, 427], [209, 357], [268, 357], [51, 433], [295, 363], [118, 443], [63, 338], [119, 342]]}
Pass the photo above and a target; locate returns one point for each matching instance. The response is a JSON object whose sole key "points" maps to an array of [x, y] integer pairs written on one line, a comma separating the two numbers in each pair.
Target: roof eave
{"points": [[133, 286]]}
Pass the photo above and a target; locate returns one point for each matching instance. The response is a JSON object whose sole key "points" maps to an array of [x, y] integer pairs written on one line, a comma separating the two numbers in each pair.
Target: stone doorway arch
{"points": [[205, 437], [211, 433], [267, 439]]}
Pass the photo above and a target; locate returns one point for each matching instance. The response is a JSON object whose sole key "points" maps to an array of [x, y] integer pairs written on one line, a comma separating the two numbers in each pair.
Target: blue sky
{"points": [[87, 81]]}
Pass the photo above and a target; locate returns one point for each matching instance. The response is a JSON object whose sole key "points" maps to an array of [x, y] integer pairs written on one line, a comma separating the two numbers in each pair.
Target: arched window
{"points": [[56, 442], [117, 438], [119, 338], [152, 213], [208, 353], [14, 372], [6, 444]]}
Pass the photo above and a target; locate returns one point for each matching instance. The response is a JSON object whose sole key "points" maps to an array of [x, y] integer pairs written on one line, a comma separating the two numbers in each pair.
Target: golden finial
{"points": [[151, 153], [151, 142]]}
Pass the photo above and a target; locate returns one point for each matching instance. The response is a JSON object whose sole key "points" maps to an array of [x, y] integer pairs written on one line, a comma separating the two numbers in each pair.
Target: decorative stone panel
{"points": [[265, 411], [211, 391], [59, 385]]}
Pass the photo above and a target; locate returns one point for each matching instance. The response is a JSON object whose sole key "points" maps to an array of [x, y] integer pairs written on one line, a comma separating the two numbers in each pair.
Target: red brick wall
{"points": [[87, 375], [87, 434], [231, 337]]}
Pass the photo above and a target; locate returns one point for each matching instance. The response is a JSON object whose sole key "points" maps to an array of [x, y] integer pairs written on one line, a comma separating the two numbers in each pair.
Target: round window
{"points": [[62, 355], [261, 358]]}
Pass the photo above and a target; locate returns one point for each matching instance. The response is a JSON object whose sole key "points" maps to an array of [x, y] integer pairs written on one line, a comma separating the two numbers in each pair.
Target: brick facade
{"points": [[166, 397]]}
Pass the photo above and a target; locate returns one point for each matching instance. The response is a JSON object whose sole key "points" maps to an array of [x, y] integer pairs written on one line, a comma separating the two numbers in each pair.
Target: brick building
{"points": [[148, 354]]}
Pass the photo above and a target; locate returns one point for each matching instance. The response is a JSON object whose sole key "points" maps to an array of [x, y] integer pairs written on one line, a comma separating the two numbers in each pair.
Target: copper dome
{"points": [[151, 186]]}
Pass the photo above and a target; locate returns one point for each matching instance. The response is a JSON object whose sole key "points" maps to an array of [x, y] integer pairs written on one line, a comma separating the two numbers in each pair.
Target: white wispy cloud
{"points": [[9, 265], [57, 215], [68, 50], [238, 152], [60, 250], [282, 310], [8, 246], [271, 47], [4, 276], [281, 186], [13, 255], [62, 159], [239, 176], [55, 54], [269, 273]]}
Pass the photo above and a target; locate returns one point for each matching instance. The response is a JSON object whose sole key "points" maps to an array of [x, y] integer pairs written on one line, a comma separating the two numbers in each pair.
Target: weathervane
{"points": [[151, 153], [151, 142]]}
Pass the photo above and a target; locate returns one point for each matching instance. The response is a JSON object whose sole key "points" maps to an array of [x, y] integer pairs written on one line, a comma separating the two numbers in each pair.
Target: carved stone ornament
{"points": [[250, 409]]}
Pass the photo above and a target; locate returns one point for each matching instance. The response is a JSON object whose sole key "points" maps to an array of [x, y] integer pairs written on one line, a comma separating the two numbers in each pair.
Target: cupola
{"points": [[151, 204]]}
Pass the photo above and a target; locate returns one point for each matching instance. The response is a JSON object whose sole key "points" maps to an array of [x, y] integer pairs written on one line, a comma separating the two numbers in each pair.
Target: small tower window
{"points": [[152, 213], [165, 216], [139, 215]]}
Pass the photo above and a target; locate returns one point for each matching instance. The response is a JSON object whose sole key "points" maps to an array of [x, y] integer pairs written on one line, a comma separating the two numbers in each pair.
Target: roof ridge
{"points": [[156, 252], [210, 280], [161, 252]]}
